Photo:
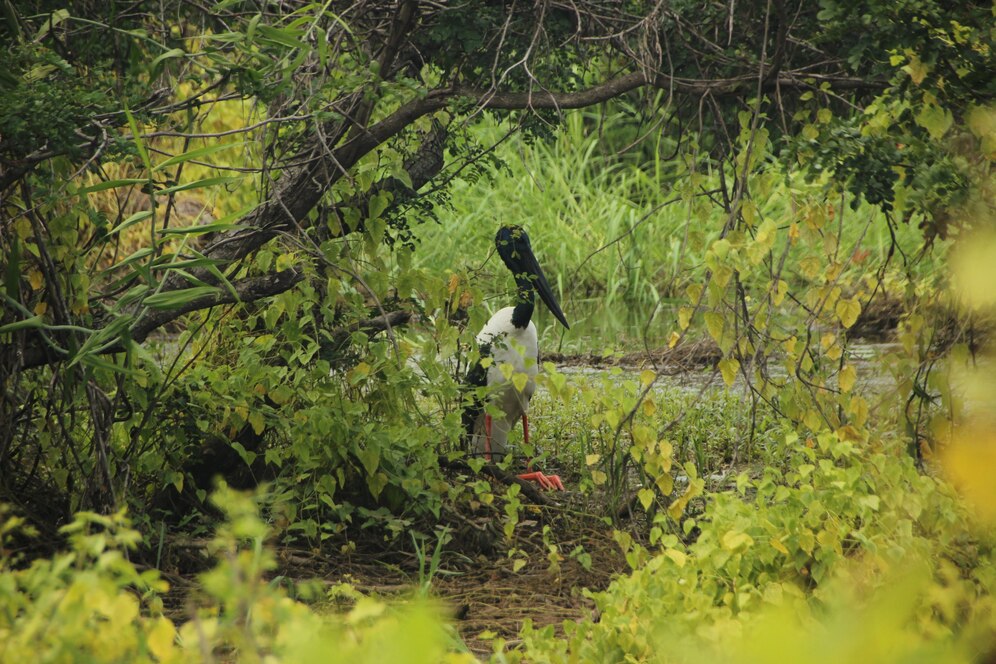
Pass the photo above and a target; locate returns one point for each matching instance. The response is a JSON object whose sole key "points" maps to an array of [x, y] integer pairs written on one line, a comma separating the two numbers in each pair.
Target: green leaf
{"points": [[136, 256], [284, 37], [99, 341], [378, 204], [196, 154], [370, 458], [139, 144], [199, 184], [935, 120], [97, 362], [131, 221], [178, 298], [112, 184], [52, 20], [172, 53]]}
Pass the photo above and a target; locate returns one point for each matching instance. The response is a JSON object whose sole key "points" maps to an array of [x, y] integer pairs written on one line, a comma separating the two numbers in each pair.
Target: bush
{"points": [[851, 548], [91, 603]]}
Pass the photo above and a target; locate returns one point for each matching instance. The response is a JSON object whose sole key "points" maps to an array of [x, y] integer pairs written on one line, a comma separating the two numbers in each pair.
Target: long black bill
{"points": [[543, 287]]}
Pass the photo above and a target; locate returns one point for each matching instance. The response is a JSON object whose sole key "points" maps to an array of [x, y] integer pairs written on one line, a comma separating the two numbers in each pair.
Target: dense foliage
{"points": [[248, 240]]}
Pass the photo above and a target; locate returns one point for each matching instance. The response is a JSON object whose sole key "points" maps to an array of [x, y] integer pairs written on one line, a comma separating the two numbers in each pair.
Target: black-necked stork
{"points": [[509, 338]]}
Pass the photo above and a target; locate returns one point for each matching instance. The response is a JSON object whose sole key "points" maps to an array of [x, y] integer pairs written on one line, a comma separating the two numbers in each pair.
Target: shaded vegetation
{"points": [[247, 244]]}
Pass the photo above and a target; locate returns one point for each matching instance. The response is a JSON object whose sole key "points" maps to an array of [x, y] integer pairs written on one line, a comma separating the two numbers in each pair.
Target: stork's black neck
{"points": [[525, 301]]}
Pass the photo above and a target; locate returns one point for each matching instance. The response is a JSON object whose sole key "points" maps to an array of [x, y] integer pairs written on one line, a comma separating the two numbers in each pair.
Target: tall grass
{"points": [[619, 238]]}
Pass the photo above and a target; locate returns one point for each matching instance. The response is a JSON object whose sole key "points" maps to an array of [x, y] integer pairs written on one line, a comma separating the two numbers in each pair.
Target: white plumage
{"points": [[519, 348]]}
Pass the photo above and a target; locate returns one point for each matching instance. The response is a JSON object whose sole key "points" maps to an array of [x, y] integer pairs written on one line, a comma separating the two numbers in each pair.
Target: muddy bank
{"points": [[876, 324], [686, 357]]}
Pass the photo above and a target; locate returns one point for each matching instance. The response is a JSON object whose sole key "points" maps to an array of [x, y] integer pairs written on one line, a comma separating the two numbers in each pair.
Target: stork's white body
{"points": [[518, 347]]}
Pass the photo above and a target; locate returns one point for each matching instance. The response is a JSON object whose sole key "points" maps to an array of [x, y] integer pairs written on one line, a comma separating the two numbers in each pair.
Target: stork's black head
{"points": [[513, 246]]}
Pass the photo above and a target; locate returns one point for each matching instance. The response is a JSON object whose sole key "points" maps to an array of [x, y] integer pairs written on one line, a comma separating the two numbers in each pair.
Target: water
{"points": [[866, 357], [596, 327]]}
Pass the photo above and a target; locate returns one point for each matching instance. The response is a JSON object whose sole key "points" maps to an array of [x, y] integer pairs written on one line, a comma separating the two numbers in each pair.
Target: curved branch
{"points": [[37, 354], [301, 189]]}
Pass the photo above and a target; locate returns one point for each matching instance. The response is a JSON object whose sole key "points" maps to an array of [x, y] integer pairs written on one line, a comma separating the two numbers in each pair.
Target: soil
{"points": [[486, 598], [476, 582]]}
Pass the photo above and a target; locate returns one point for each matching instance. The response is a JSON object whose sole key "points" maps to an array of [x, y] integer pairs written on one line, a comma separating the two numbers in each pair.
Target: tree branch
{"points": [[36, 354], [300, 190], [249, 289]]}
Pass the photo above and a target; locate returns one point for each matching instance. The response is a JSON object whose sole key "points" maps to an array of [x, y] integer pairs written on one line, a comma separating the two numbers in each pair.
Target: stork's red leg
{"points": [[487, 437], [549, 482]]}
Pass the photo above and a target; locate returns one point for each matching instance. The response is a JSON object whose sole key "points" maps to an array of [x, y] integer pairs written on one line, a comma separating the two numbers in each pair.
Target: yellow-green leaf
{"points": [[647, 377], [846, 378], [123, 609], [520, 380], [749, 212], [916, 69], [734, 540], [684, 317], [281, 394], [848, 312], [677, 556], [714, 324], [935, 120], [358, 373], [161, 639], [256, 421], [695, 487], [766, 233], [646, 497], [810, 266], [729, 366]]}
